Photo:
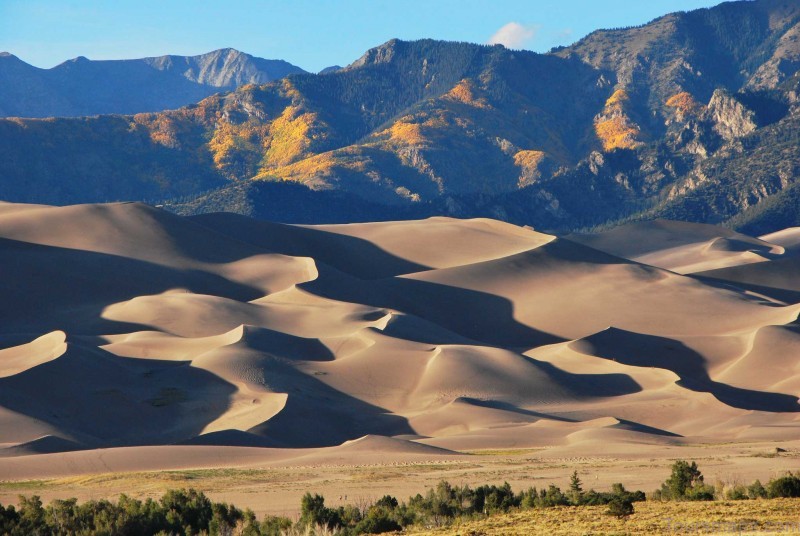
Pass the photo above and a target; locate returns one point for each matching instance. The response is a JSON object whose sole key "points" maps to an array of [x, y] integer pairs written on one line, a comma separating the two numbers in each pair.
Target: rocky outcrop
{"points": [[731, 118]]}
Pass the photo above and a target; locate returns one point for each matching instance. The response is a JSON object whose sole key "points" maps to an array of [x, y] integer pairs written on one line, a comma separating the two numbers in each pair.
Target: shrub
{"points": [[756, 490], [552, 497], [686, 483], [314, 512], [737, 492], [275, 525], [785, 486], [187, 511], [700, 492], [620, 507], [377, 521]]}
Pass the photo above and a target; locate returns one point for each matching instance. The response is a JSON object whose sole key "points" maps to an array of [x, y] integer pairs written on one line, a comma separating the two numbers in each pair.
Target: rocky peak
{"points": [[731, 118], [380, 54]]}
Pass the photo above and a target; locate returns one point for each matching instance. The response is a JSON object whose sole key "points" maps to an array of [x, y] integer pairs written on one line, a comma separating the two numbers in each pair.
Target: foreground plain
{"points": [[778, 516]]}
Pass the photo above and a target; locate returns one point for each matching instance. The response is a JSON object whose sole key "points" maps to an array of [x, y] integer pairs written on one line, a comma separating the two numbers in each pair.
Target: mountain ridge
{"points": [[677, 118], [84, 87]]}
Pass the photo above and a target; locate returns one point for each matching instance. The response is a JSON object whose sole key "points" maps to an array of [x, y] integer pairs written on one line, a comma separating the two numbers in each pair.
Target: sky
{"points": [[312, 34]]}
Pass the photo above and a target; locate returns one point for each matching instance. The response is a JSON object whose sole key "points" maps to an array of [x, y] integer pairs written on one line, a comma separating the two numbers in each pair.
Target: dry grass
{"points": [[778, 516], [154, 481]]}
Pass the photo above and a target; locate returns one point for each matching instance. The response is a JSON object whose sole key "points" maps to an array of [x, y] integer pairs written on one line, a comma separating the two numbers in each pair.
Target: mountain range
{"points": [[693, 116], [81, 87]]}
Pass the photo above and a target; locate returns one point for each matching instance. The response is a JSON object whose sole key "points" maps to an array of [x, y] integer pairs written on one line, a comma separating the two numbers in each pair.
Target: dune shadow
{"points": [[317, 415], [641, 350], [46, 288], [590, 385], [286, 346], [506, 406], [478, 316], [101, 400], [785, 295], [355, 256], [644, 429]]}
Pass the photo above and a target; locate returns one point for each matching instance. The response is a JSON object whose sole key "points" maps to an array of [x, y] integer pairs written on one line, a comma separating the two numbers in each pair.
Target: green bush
{"points": [[685, 484], [275, 525], [785, 486], [737, 492], [756, 490], [314, 512], [620, 507]]}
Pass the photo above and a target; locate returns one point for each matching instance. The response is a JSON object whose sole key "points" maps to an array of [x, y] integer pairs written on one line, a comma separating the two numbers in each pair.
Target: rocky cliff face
{"points": [[731, 118]]}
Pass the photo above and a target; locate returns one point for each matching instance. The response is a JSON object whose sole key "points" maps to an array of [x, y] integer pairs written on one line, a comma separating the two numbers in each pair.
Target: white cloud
{"points": [[513, 35]]}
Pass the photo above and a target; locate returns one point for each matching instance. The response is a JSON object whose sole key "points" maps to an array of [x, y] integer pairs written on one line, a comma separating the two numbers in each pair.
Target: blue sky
{"points": [[310, 33]]}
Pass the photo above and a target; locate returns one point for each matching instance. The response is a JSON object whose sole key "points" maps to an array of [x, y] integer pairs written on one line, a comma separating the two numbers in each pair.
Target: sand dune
{"points": [[682, 247], [376, 250], [567, 291], [777, 279], [218, 340], [789, 239], [17, 359]]}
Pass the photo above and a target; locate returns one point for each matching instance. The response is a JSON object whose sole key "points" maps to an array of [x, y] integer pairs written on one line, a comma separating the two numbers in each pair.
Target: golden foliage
{"points": [[617, 133], [685, 104], [406, 133], [290, 137], [314, 169], [320, 164], [528, 161], [613, 127], [617, 98], [236, 149], [464, 92]]}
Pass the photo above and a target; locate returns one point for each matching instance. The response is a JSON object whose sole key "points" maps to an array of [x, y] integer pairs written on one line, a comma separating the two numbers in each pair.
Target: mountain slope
{"points": [[681, 118], [84, 87]]}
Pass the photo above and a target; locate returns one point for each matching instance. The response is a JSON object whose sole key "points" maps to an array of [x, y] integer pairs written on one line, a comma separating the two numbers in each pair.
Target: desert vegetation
{"points": [[191, 512]]}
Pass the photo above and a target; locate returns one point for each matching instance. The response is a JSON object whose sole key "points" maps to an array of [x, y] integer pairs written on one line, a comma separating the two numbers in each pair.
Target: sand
{"points": [[134, 340]]}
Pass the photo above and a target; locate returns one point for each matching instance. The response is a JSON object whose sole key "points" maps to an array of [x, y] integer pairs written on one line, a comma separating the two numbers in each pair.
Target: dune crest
{"points": [[17, 359]]}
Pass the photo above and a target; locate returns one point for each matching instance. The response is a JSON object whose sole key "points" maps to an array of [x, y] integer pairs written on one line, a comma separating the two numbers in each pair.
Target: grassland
{"points": [[776, 516]]}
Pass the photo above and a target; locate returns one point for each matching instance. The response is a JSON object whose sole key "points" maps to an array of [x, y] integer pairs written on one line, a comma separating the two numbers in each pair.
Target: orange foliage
{"points": [[684, 103], [617, 98], [613, 127], [529, 159], [235, 149], [314, 169], [290, 137], [406, 133], [464, 92], [162, 129], [617, 133]]}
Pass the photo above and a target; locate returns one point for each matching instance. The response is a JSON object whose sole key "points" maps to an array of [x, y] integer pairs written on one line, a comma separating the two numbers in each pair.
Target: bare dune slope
{"points": [[123, 326]]}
